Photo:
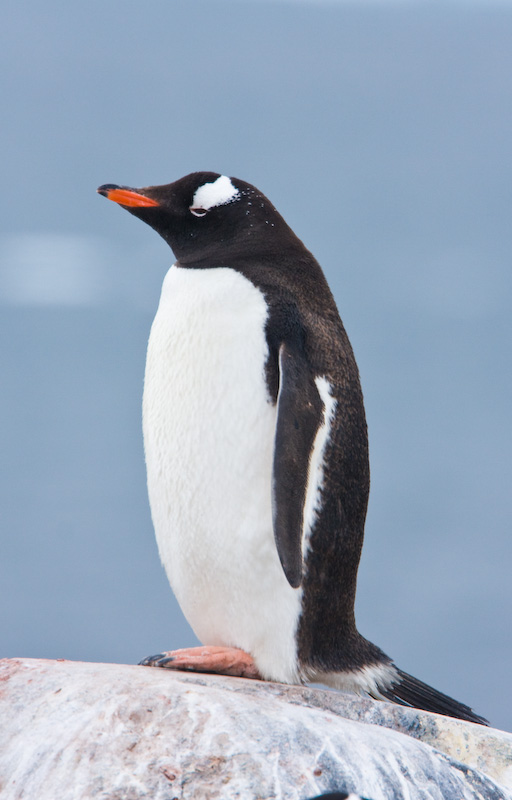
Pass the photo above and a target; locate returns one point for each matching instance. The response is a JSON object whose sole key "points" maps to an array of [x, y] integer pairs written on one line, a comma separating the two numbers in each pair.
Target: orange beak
{"points": [[126, 197]]}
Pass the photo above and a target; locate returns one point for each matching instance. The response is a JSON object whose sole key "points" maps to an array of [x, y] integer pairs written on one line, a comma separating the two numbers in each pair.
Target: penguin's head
{"points": [[205, 217]]}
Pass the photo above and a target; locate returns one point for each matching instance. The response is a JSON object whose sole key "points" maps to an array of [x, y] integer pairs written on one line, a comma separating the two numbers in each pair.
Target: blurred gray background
{"points": [[382, 132]]}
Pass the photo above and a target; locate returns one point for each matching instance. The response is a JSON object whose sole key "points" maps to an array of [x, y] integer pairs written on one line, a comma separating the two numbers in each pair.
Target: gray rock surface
{"points": [[80, 730]]}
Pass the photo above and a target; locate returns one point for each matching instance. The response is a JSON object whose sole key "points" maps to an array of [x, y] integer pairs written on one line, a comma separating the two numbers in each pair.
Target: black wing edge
{"points": [[410, 691], [299, 414]]}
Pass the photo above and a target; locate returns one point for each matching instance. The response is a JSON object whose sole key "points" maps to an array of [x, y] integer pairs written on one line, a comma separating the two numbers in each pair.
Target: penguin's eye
{"points": [[198, 212]]}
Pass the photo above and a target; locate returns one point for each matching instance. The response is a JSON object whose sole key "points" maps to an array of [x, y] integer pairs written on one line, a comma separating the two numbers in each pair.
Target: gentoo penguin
{"points": [[256, 448]]}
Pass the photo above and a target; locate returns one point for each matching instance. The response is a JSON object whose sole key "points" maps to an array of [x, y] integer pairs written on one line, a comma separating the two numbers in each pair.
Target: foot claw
{"points": [[160, 660], [164, 662]]}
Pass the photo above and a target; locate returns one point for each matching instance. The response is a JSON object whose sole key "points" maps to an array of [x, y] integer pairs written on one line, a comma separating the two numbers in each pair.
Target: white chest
{"points": [[208, 434]]}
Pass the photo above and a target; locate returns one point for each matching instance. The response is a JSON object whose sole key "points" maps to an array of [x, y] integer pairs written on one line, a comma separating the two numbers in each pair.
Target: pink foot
{"points": [[219, 660]]}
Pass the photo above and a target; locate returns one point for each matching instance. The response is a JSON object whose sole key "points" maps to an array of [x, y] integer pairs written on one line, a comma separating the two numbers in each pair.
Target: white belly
{"points": [[208, 437]]}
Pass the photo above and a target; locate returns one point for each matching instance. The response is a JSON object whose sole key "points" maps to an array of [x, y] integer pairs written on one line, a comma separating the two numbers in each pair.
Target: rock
{"points": [[73, 731]]}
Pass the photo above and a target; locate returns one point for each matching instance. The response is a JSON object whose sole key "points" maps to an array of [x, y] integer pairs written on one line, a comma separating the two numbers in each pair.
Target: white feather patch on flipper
{"points": [[316, 461]]}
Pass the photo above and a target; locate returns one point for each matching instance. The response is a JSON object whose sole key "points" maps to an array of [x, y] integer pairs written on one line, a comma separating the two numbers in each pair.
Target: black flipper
{"points": [[409, 691], [299, 414]]}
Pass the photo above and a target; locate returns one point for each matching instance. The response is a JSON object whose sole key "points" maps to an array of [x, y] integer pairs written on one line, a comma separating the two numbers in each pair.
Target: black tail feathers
{"points": [[409, 691]]}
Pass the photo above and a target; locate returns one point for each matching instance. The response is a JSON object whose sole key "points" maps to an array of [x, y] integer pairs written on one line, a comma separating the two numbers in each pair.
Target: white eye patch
{"points": [[210, 195]]}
